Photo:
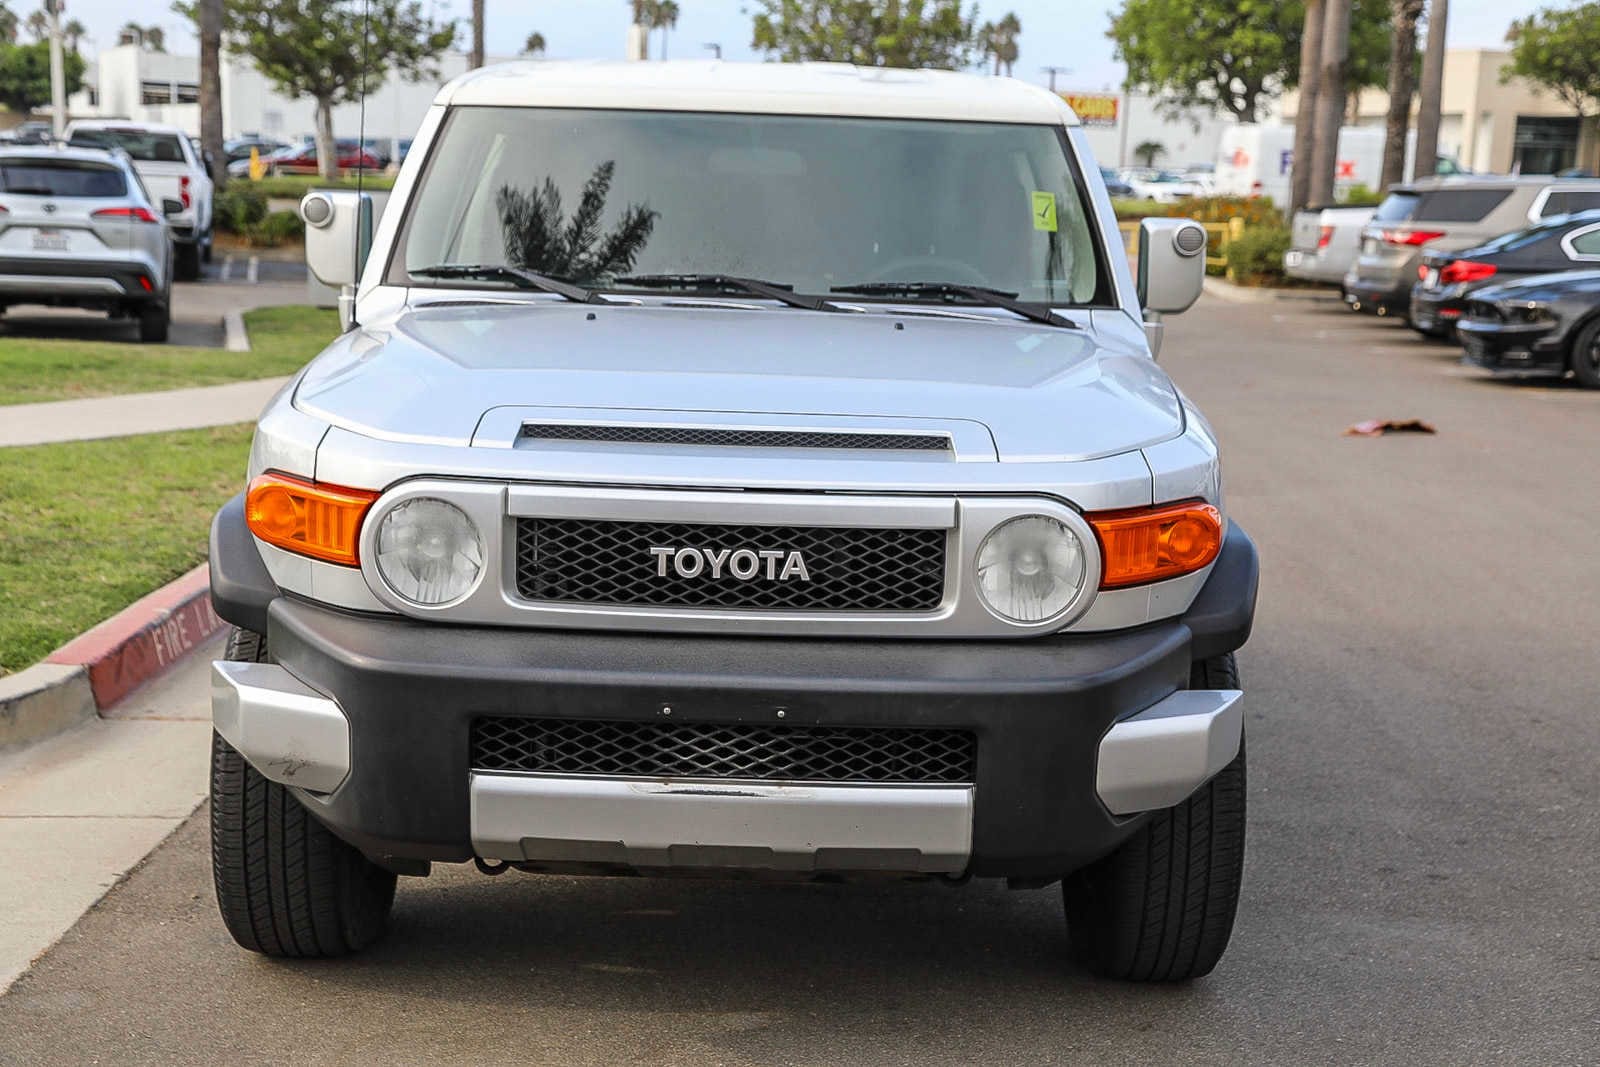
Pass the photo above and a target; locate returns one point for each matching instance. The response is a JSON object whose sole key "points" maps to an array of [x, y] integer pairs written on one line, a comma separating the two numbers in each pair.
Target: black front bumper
{"points": [[1037, 707], [1363, 295], [1436, 311], [1513, 347]]}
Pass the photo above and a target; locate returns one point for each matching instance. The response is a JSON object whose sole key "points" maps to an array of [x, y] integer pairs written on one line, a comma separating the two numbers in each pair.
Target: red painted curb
{"points": [[145, 638]]}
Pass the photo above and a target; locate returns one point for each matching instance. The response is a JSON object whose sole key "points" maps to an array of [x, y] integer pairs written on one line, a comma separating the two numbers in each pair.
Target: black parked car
{"points": [[1447, 280], [1547, 324]]}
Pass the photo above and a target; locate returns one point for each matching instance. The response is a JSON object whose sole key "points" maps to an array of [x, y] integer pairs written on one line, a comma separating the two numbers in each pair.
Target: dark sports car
{"points": [[1447, 280], [1547, 324]]}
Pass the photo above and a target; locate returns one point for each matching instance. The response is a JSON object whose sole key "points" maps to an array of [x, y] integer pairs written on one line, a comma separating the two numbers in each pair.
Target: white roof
{"points": [[759, 88]]}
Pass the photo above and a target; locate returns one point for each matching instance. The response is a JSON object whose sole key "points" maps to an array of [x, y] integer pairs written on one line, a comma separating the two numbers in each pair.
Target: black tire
{"points": [[1585, 358], [155, 320], [1161, 907], [186, 262], [205, 249], [286, 886]]}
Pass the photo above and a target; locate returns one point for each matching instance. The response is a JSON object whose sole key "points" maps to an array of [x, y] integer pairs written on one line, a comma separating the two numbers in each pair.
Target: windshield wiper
{"points": [[949, 290], [783, 294], [527, 279]]}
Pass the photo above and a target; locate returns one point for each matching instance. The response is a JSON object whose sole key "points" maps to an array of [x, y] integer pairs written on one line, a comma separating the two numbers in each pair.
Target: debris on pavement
{"points": [[1379, 427]]}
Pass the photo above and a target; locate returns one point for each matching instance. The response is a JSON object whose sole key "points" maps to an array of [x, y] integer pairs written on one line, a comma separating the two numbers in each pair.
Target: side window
{"points": [[1568, 201], [1586, 243], [1459, 204]]}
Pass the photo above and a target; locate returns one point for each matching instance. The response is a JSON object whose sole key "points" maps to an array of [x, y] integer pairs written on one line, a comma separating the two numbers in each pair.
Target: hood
{"points": [[1045, 393]]}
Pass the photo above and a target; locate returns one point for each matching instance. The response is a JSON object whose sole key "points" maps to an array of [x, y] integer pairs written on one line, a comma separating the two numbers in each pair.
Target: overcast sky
{"points": [[1066, 33]]}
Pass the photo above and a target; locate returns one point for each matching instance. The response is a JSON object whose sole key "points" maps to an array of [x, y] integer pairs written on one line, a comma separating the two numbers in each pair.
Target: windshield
{"points": [[593, 196], [61, 178], [141, 145]]}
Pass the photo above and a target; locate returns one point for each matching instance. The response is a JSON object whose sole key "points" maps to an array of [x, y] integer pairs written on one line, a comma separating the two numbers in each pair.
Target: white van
{"points": [[1256, 160]]}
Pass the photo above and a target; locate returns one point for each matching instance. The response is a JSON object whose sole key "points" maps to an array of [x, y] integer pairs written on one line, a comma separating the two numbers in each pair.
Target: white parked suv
{"points": [[171, 168], [738, 468]]}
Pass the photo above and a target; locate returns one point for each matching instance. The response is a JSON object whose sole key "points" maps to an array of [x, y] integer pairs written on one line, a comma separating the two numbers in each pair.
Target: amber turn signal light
{"points": [[1143, 545], [320, 521]]}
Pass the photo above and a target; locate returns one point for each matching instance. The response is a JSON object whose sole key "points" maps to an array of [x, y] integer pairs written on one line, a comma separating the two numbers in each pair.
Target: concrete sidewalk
{"points": [[135, 413], [79, 811]]}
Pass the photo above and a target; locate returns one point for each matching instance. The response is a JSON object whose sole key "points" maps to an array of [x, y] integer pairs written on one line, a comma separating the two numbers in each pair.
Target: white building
{"points": [[1188, 139], [128, 82]]}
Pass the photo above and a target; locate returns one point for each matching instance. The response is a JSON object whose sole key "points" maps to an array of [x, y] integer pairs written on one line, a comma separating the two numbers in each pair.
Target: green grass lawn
{"points": [[88, 527], [297, 185], [282, 339]]}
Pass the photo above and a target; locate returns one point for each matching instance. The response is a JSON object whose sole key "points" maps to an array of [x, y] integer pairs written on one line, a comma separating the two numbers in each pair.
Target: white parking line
{"points": [[251, 269]]}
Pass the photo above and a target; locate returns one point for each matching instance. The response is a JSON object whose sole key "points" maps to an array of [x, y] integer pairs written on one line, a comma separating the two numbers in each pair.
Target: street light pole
{"points": [[1053, 71], [58, 70], [714, 47]]}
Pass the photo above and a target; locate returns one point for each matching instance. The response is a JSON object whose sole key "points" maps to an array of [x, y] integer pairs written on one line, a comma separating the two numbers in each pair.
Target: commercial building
{"points": [[1490, 126], [129, 82], [1118, 123]]}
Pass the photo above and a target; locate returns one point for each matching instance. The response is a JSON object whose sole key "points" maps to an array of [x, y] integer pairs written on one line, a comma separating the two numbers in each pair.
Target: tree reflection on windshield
{"points": [[538, 238]]}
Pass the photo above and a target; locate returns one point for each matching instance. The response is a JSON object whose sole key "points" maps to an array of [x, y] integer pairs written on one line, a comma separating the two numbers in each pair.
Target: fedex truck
{"points": [[1256, 160]]}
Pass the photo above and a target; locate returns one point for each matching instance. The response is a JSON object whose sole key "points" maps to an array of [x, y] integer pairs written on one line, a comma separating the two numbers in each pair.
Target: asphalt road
{"points": [[1423, 879]]}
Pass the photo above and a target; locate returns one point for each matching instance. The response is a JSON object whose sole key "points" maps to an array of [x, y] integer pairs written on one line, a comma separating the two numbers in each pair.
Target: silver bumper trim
{"points": [[288, 731], [1156, 758], [683, 823]]}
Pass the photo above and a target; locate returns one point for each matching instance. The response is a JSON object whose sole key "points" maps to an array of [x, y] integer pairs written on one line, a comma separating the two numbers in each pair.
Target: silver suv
{"points": [[738, 468], [78, 229], [1446, 214]]}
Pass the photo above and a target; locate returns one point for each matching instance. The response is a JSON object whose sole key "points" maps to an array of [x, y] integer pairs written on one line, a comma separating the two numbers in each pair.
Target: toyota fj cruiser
{"points": [[737, 468]]}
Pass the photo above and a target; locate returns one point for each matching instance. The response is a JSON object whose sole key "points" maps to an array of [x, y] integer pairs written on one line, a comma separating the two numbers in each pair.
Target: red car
{"points": [[302, 159]]}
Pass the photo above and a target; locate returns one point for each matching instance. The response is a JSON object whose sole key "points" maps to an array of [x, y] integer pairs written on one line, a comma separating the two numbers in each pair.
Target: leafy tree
{"points": [[1147, 152], [25, 74], [1233, 56], [1000, 42], [8, 24], [535, 44], [1559, 48], [537, 237], [871, 33], [332, 50]]}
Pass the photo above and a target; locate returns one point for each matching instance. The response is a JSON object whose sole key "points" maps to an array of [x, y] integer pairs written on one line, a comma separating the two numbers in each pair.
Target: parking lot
{"points": [[1421, 881]]}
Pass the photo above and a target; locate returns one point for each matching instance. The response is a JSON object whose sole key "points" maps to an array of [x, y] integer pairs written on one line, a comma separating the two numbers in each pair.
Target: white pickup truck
{"points": [[171, 168]]}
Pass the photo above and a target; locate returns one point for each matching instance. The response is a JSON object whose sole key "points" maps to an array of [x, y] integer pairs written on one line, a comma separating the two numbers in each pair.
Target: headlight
{"points": [[429, 552], [1030, 568], [1531, 313]]}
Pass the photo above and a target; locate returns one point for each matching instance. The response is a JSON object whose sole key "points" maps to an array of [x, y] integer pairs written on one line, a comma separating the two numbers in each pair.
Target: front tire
{"points": [[1161, 907], [286, 886], [1586, 356]]}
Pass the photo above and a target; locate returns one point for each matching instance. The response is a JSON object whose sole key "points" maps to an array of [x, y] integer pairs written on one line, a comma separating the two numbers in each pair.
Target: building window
{"points": [[188, 93], [1544, 145], [155, 92]]}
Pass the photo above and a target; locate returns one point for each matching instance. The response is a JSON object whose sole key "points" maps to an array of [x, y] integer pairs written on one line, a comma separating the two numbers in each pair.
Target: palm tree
{"points": [[1147, 152], [1402, 86], [1427, 152], [208, 21], [665, 20], [150, 38], [73, 33], [535, 44], [8, 24], [537, 237], [1000, 41], [1330, 100], [477, 34]]}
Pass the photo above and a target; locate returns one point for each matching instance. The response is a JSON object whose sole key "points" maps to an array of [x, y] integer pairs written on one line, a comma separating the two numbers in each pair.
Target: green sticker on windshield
{"points": [[1044, 212]]}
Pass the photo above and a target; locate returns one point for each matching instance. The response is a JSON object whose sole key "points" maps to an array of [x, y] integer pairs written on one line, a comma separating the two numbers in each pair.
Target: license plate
{"points": [[1293, 258], [1431, 279], [49, 241]]}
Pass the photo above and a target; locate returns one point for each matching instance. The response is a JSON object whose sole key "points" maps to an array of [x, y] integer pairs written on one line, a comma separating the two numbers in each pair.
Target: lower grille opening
{"points": [[727, 751]]}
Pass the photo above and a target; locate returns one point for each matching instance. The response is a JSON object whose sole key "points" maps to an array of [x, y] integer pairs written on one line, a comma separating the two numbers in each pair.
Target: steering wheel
{"points": [[930, 269]]}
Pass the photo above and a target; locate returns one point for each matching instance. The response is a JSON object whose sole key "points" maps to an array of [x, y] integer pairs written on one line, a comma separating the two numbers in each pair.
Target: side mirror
{"points": [[338, 239], [1172, 264], [171, 207]]}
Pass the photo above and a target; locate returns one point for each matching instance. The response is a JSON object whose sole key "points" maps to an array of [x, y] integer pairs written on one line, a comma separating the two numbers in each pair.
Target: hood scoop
{"points": [[728, 437], [663, 432]]}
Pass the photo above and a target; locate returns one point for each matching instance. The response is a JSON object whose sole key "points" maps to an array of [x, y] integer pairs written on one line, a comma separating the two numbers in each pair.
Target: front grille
{"points": [[697, 435], [588, 561], [735, 751]]}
